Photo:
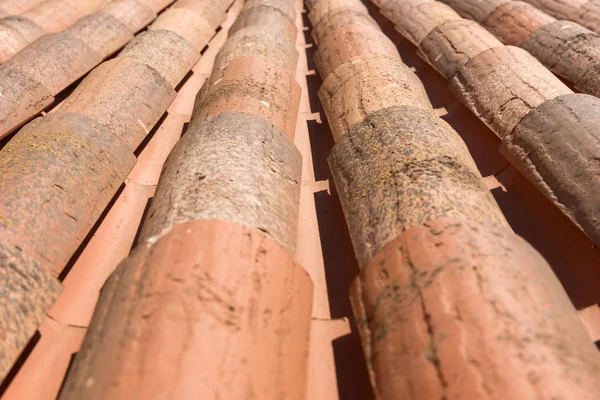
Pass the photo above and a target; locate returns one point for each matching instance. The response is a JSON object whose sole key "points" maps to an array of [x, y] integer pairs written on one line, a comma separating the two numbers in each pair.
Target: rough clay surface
{"points": [[256, 41], [351, 16], [225, 310], [54, 15], [253, 85], [234, 167], [453, 309], [357, 89], [453, 43], [324, 9], [164, 51], [22, 97], [133, 14], [125, 96], [569, 50], [477, 10], [16, 33], [557, 146], [560, 9], [286, 7], [402, 167], [212, 12], [191, 26], [57, 175], [27, 291], [345, 39], [588, 15], [515, 21], [268, 18], [503, 84], [415, 21], [55, 60], [103, 34]]}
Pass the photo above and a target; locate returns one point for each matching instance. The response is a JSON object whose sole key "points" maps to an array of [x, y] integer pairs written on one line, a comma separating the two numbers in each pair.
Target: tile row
{"points": [[50, 16], [564, 47], [449, 300], [585, 12], [10, 8], [60, 171], [30, 80], [548, 132], [211, 302]]}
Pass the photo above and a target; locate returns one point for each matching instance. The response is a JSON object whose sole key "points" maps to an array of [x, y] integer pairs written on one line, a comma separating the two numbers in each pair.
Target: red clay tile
{"points": [[417, 18], [191, 26], [401, 167], [210, 290], [253, 85], [123, 95], [347, 37], [21, 99], [505, 86], [213, 12], [15, 34], [43, 371], [556, 147], [571, 51], [165, 52], [59, 172], [447, 310], [453, 43], [515, 21], [57, 175], [265, 17], [233, 167], [588, 15], [28, 290], [46, 17], [16, 7], [358, 89], [256, 41], [134, 14], [327, 8], [54, 15], [285, 7], [502, 85], [159, 5], [102, 33], [561, 9], [477, 10], [351, 16], [55, 60]]}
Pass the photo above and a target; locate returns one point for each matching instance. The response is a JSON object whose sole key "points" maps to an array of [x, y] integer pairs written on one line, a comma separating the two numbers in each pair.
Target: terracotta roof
{"points": [[228, 199]]}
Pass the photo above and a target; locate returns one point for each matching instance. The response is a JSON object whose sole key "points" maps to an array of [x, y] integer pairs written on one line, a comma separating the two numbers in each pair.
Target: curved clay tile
{"points": [[30, 79], [16, 7], [454, 43], [47, 17], [514, 21], [448, 295], [215, 258], [503, 84], [221, 312], [345, 39], [262, 15], [566, 48], [60, 171]]}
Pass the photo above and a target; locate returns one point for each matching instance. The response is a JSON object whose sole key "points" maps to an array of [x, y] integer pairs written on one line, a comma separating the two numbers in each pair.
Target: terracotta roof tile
{"points": [[75, 159], [429, 236], [241, 243], [226, 207], [501, 85]]}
